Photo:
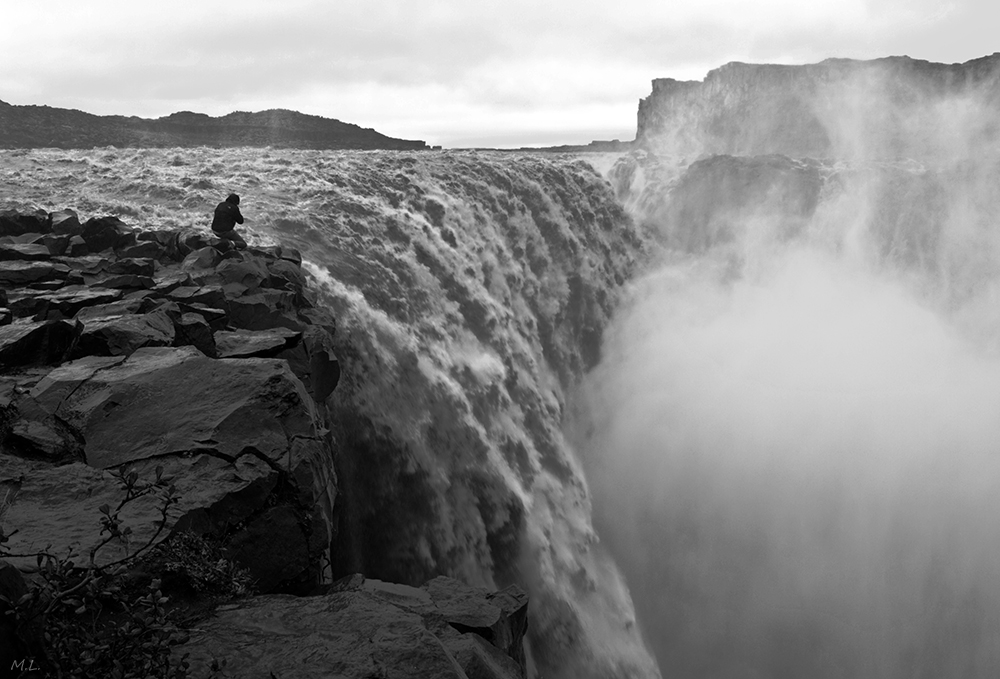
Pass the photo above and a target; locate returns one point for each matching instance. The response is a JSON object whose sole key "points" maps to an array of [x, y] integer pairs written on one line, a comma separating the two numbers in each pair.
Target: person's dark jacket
{"points": [[227, 216]]}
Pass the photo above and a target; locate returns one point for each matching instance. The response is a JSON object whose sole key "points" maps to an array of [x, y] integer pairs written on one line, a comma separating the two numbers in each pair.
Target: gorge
{"points": [[723, 404]]}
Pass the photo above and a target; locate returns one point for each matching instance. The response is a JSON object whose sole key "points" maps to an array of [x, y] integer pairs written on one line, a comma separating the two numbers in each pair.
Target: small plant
{"points": [[93, 622]]}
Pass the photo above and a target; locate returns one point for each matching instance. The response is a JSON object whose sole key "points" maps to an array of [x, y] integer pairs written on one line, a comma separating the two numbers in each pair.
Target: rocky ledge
{"points": [[172, 355]]}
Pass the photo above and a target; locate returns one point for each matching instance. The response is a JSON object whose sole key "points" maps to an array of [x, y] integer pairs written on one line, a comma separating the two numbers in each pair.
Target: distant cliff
{"points": [[895, 107], [44, 126]]}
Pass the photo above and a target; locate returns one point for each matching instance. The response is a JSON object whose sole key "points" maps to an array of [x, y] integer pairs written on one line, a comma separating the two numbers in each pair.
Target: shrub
{"points": [[113, 620]]}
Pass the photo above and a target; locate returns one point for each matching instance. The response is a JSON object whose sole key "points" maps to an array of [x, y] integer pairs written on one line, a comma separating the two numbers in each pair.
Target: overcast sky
{"points": [[451, 72]]}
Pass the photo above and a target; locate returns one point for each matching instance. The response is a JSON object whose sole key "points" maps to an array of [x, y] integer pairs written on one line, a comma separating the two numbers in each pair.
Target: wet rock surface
{"points": [[108, 362], [366, 628], [167, 353]]}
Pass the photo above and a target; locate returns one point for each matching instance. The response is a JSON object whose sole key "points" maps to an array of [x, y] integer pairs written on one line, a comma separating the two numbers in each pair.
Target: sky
{"points": [[457, 73]]}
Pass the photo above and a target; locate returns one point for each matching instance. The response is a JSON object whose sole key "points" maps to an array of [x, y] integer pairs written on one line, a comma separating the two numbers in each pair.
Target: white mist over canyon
{"points": [[792, 438]]}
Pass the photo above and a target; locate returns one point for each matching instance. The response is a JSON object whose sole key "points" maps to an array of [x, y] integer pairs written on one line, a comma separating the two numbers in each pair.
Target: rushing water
{"points": [[471, 292], [788, 408]]}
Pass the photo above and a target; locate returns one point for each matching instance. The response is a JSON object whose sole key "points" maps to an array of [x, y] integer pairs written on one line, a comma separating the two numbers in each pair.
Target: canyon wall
{"points": [[895, 107]]}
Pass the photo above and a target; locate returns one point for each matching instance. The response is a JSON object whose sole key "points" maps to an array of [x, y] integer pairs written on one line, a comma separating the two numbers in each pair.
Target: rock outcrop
{"points": [[367, 628], [888, 108], [110, 361], [169, 354], [45, 126], [470, 292]]}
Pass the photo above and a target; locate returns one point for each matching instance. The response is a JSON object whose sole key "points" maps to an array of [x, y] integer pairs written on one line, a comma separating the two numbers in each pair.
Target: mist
{"points": [[792, 439]]}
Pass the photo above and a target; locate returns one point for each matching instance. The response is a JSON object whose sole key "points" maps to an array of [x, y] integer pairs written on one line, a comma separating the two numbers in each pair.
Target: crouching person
{"points": [[227, 216]]}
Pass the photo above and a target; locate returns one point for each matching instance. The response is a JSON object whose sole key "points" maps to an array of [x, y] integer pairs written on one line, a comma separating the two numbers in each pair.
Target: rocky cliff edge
{"points": [[889, 108], [169, 355]]}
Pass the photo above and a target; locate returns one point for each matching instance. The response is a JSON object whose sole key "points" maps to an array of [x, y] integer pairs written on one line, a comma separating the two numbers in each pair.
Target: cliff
{"points": [[895, 107], [470, 293], [184, 384], [45, 126]]}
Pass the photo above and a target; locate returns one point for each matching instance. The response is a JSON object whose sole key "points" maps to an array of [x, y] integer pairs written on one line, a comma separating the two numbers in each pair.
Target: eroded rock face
{"points": [[109, 364], [163, 356], [888, 108], [363, 628]]}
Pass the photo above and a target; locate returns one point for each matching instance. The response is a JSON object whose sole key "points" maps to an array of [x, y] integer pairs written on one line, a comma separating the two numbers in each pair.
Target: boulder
{"points": [[170, 281], [117, 308], [286, 275], [34, 433], [56, 244], [164, 403], [191, 329], [65, 223], [194, 239], [313, 361], [23, 239], [67, 301], [77, 247], [37, 343], [217, 319], [103, 233], [501, 618], [259, 343], [209, 295], [56, 508], [19, 272], [358, 629], [124, 334], [174, 400], [352, 635], [138, 266], [87, 264], [251, 273], [264, 309], [125, 281], [62, 381], [148, 249], [169, 241], [24, 251], [203, 258], [16, 223]]}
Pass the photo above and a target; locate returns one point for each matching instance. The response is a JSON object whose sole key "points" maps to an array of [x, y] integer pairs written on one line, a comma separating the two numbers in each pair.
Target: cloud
{"points": [[492, 56]]}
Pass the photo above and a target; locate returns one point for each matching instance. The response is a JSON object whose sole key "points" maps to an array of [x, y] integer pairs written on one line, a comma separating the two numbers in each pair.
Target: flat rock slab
{"points": [[123, 335], [52, 389], [348, 635], [18, 272], [67, 301], [126, 281], [261, 343], [38, 343], [24, 251], [174, 400], [56, 508]]}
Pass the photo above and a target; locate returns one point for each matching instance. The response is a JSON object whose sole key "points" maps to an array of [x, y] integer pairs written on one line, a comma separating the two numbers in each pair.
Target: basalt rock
{"points": [[37, 343], [363, 628], [255, 343], [144, 390], [887, 108], [66, 222], [107, 232], [16, 224], [209, 369]]}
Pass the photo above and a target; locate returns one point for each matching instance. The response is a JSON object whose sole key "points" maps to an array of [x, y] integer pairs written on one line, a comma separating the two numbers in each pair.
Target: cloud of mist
{"points": [[792, 439], [800, 473]]}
